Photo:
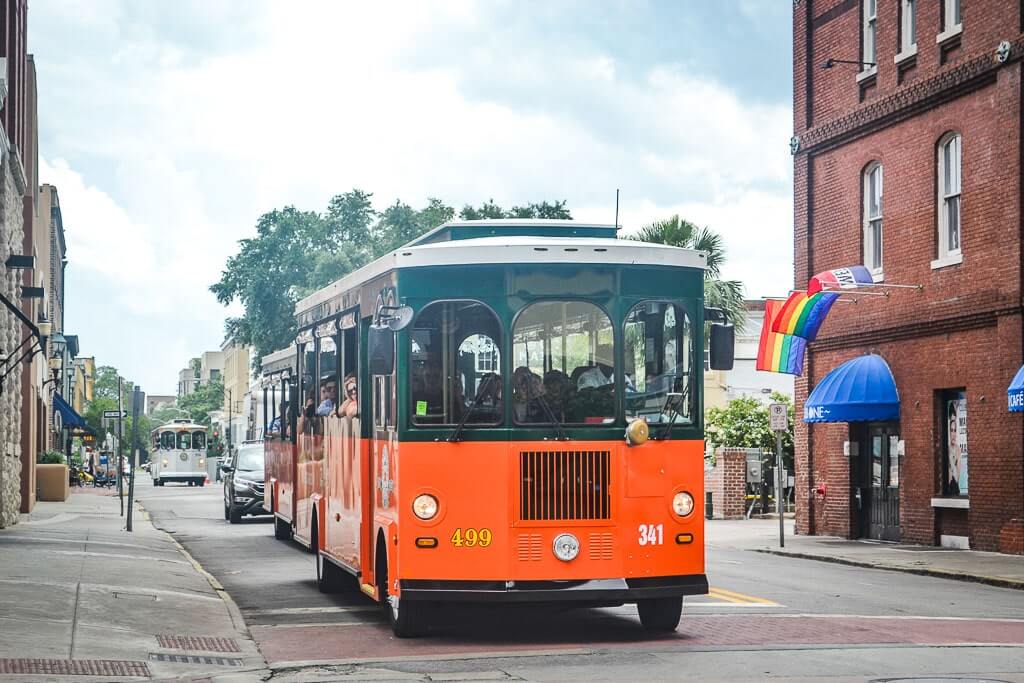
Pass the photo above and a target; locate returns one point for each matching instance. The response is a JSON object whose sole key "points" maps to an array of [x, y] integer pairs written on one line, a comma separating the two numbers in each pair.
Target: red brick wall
{"points": [[964, 327], [727, 483]]}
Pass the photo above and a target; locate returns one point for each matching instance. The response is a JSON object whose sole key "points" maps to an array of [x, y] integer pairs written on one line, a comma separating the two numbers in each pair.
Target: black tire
{"points": [[154, 483], [227, 511], [282, 529], [235, 515], [407, 618], [660, 615], [200, 482], [330, 578]]}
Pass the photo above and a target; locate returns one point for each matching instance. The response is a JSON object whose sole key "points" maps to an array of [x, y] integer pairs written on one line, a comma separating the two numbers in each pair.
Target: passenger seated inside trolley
{"points": [[328, 395], [350, 403]]}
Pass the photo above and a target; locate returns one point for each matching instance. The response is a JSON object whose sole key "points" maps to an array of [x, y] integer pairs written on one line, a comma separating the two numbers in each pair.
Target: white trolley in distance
{"points": [[179, 453]]}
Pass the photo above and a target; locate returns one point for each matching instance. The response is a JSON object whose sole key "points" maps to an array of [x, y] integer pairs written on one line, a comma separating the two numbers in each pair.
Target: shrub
{"points": [[50, 458]]}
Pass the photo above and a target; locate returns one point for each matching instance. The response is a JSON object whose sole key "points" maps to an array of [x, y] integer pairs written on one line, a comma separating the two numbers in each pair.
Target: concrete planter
{"points": [[52, 482]]}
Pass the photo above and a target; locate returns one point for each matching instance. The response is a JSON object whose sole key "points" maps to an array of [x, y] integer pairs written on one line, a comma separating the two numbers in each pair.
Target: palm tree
{"points": [[677, 232]]}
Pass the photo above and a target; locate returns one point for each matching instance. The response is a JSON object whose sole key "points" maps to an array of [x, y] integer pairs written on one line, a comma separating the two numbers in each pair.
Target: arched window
{"points": [[949, 200], [184, 440], [455, 360], [872, 222]]}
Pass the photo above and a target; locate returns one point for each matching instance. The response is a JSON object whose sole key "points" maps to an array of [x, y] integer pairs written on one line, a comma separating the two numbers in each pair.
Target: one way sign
{"points": [[114, 414]]}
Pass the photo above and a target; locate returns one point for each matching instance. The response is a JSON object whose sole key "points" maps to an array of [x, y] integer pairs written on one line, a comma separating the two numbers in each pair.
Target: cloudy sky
{"points": [[169, 127]]}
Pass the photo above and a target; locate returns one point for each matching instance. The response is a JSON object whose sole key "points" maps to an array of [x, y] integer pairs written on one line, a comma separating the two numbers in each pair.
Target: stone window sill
{"points": [[948, 260], [877, 275], [867, 73], [910, 53], [949, 33], [953, 503]]}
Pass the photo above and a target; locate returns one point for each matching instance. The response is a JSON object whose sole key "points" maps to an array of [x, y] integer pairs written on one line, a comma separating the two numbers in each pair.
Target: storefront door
{"points": [[876, 482]]}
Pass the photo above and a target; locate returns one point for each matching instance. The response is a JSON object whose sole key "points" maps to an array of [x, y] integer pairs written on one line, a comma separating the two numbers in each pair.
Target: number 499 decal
{"points": [[651, 534]]}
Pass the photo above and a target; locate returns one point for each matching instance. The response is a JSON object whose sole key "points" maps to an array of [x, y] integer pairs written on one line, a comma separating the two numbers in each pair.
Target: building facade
{"points": [[154, 401], [17, 111], [236, 388], [909, 162]]}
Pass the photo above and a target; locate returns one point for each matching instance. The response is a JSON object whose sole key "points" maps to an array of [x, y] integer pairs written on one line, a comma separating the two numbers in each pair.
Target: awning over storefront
{"points": [[1015, 394], [68, 415], [860, 390]]}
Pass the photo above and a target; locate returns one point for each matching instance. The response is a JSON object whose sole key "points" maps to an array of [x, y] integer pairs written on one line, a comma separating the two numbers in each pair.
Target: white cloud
{"points": [[167, 148]]}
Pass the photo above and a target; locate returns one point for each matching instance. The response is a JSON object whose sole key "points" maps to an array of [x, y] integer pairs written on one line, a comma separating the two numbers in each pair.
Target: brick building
{"points": [[909, 162]]}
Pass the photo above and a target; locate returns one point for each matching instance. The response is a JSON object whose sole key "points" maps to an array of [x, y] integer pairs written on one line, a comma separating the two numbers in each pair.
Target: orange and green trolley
{"points": [[500, 411]]}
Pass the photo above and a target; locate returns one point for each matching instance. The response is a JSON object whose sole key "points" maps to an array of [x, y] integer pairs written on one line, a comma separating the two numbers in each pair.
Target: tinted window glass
{"points": [[563, 352], [455, 365], [184, 440], [658, 347], [167, 440], [199, 440]]}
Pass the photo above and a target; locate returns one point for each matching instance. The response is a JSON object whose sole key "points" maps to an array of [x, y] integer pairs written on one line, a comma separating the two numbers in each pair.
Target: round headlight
{"points": [[202, 461], [566, 547], [424, 506], [165, 462], [682, 503]]}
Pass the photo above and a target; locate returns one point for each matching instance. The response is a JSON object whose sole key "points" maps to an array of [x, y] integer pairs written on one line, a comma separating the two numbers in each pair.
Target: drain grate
{"points": [[74, 667], [195, 659], [201, 643]]}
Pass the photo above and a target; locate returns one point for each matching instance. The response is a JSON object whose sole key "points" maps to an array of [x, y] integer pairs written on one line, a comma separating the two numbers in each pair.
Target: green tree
{"points": [[744, 423], [201, 402], [106, 383], [677, 232], [295, 253]]}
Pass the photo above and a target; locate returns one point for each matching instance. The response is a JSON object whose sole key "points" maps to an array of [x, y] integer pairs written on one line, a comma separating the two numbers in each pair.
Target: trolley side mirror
{"points": [[381, 346], [722, 347]]}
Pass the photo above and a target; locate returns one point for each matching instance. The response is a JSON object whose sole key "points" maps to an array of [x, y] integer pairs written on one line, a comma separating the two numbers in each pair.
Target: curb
{"points": [[922, 571], [236, 614]]}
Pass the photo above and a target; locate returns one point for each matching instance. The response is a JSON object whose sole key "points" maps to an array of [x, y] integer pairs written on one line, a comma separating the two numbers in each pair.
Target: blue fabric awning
{"points": [[860, 390], [67, 414], [1015, 394]]}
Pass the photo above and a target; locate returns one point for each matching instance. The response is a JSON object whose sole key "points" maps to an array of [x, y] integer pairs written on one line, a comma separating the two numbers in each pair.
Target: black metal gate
{"points": [[876, 482]]}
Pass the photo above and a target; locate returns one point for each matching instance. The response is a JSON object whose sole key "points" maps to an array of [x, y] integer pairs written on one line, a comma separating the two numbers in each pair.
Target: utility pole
{"points": [[120, 450], [136, 405]]}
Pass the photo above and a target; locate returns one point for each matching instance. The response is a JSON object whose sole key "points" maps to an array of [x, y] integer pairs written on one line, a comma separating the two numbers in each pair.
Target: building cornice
{"points": [[908, 101]]}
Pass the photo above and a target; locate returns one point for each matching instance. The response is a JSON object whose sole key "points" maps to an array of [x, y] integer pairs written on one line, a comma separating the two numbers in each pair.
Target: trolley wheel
{"points": [[200, 482], [660, 614], [155, 483], [407, 618], [282, 529], [330, 578], [235, 515]]}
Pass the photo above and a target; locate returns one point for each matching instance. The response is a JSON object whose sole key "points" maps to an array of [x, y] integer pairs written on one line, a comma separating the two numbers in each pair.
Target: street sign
{"points": [[778, 417], [114, 414]]}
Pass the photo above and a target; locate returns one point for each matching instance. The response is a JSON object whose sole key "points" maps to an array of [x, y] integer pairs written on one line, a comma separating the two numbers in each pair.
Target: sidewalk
{"points": [[82, 599], [762, 535]]}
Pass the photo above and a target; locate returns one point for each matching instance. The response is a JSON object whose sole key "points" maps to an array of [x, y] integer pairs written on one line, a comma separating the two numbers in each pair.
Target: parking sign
{"points": [[778, 417]]}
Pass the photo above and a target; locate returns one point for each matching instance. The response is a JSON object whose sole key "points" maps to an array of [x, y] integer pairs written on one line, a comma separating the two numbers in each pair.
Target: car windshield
{"points": [[249, 459]]}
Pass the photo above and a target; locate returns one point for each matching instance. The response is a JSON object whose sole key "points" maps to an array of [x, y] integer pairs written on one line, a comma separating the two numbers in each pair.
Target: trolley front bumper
{"points": [[594, 590]]}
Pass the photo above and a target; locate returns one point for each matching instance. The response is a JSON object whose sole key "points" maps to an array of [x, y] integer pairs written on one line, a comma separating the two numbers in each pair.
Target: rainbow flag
{"points": [[803, 315], [779, 352], [841, 278]]}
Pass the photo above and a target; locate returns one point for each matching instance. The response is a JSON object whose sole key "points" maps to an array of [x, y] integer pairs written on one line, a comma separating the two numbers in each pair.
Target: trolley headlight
{"points": [[165, 462], [682, 503], [424, 506], [202, 461], [566, 547], [637, 432]]}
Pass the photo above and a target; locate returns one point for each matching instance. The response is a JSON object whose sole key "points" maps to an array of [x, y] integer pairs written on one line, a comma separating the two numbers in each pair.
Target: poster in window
{"points": [[956, 446]]}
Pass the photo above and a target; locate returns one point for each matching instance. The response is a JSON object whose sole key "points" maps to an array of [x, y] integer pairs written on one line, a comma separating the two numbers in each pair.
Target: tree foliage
{"points": [[295, 253], [201, 402], [677, 232], [744, 423]]}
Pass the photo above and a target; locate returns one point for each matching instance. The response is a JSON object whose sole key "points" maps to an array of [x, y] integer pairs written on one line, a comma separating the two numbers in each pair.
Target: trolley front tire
{"points": [[660, 615]]}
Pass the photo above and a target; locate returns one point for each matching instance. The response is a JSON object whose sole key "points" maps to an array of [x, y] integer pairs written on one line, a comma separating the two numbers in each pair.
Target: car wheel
{"points": [[236, 515], [227, 511], [660, 614]]}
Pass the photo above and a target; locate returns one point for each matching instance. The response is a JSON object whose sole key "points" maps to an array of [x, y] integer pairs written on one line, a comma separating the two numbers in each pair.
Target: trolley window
{"points": [[199, 440], [309, 388], [564, 355], [658, 342], [167, 440], [184, 440], [328, 367], [455, 365]]}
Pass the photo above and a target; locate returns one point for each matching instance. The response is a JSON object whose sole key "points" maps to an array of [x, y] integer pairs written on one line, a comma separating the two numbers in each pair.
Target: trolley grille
{"points": [[564, 485]]}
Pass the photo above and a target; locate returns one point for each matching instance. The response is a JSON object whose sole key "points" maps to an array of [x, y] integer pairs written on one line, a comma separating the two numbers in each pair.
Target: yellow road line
{"points": [[731, 596]]}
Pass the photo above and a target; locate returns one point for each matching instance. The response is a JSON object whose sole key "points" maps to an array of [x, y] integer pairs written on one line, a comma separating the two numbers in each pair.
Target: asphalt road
{"points": [[767, 617]]}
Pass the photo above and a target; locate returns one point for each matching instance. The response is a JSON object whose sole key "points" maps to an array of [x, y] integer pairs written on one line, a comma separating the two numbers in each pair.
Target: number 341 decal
{"points": [[651, 534]]}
